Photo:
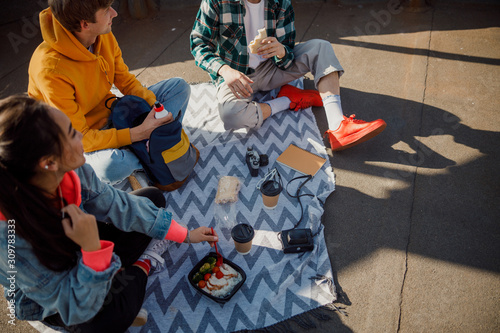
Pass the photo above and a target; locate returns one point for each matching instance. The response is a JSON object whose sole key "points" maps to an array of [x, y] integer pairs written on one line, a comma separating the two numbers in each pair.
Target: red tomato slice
{"points": [[202, 284], [207, 276], [219, 275]]}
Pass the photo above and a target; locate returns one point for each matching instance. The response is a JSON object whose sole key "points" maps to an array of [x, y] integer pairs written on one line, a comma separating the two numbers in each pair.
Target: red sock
{"points": [[144, 264]]}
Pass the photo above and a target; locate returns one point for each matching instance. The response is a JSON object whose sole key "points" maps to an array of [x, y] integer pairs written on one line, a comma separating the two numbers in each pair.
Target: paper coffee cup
{"points": [[270, 190], [242, 235]]}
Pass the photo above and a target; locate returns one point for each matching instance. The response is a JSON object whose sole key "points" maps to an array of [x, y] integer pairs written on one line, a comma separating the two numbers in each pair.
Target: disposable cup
{"points": [[270, 190], [242, 235]]}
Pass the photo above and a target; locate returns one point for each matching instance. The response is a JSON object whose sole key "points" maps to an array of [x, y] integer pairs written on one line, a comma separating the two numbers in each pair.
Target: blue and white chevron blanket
{"points": [[279, 286]]}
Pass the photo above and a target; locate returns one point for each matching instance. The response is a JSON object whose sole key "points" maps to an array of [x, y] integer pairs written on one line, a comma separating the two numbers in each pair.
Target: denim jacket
{"points": [[36, 292]]}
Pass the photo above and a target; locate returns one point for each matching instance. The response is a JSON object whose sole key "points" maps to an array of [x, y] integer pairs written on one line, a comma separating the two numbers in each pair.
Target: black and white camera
{"points": [[255, 161]]}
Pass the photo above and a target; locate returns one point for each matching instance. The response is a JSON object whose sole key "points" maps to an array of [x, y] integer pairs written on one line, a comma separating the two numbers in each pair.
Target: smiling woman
{"points": [[24, 123], [51, 203], [72, 156]]}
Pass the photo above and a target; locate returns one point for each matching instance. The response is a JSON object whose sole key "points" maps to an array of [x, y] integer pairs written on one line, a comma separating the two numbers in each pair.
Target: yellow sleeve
{"points": [[58, 91]]}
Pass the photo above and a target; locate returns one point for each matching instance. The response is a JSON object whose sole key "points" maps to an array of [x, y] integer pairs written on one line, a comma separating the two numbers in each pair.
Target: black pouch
{"points": [[297, 240]]}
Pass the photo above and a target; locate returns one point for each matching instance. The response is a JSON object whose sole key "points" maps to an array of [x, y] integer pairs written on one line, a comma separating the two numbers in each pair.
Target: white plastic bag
{"points": [[225, 201]]}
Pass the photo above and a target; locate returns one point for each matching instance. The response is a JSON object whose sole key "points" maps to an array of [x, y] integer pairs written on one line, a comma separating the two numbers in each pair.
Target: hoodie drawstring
{"points": [[104, 67]]}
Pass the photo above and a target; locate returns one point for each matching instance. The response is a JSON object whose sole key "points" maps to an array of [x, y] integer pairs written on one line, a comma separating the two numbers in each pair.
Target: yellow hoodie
{"points": [[64, 74]]}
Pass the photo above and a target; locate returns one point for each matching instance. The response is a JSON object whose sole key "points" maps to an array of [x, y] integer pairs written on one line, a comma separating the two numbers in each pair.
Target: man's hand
{"points": [[271, 47], [144, 130], [238, 82]]}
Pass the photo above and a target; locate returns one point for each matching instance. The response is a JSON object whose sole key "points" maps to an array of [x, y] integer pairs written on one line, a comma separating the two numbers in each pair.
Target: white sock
{"points": [[279, 104], [333, 110]]}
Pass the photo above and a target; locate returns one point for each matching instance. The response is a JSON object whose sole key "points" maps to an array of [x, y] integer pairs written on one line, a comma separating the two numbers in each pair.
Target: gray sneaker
{"points": [[154, 253]]}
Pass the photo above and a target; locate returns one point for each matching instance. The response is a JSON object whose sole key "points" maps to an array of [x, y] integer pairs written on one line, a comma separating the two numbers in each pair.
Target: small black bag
{"points": [[171, 157]]}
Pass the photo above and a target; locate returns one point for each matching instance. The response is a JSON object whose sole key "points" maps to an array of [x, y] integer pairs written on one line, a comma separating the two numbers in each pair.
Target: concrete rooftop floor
{"points": [[413, 227]]}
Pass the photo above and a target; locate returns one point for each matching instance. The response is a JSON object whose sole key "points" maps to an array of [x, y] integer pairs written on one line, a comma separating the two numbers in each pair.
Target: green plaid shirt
{"points": [[218, 37]]}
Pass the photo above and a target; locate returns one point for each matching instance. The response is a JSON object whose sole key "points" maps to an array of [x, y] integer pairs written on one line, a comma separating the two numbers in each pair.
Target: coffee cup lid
{"points": [[242, 233], [271, 188]]}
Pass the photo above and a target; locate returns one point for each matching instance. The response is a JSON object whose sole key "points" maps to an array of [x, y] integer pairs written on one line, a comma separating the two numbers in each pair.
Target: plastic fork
{"points": [[219, 256]]}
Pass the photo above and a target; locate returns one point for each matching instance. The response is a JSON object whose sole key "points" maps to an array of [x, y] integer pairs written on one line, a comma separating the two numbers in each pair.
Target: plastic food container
{"points": [[226, 298]]}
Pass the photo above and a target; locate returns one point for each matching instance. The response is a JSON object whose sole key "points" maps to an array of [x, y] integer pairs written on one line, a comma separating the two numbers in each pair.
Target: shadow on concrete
{"points": [[366, 16], [422, 52], [144, 47], [454, 212], [457, 220]]}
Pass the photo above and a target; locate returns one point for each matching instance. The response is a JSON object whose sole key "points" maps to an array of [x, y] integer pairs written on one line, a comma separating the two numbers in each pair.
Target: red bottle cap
{"points": [[158, 107]]}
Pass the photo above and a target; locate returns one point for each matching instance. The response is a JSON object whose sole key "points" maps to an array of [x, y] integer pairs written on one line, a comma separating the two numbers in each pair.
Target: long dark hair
{"points": [[28, 133]]}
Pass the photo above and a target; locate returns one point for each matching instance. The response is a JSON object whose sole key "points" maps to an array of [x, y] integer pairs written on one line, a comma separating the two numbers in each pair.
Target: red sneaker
{"points": [[353, 131], [300, 99]]}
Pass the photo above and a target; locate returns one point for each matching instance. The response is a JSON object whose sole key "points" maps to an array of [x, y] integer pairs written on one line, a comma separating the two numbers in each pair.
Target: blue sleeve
{"points": [[76, 294], [125, 211]]}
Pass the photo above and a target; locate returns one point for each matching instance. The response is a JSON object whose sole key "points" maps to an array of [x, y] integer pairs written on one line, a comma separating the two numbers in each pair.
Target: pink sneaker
{"points": [[353, 131]]}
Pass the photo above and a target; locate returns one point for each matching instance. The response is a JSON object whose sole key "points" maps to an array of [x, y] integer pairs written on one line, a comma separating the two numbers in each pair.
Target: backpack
{"points": [[170, 158]]}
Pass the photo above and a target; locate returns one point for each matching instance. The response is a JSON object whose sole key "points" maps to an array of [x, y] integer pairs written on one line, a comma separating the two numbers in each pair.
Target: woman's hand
{"points": [[271, 47], [203, 234], [238, 82], [81, 228]]}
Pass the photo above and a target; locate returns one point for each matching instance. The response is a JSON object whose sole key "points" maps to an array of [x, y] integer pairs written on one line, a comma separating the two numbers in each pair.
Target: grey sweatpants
{"points": [[315, 56]]}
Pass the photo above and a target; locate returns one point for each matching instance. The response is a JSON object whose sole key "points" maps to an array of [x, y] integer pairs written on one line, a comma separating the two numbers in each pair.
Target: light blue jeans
{"points": [[114, 165]]}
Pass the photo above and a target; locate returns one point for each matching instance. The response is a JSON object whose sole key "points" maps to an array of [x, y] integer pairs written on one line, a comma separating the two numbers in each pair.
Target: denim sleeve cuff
{"points": [[161, 225], [176, 232], [99, 260]]}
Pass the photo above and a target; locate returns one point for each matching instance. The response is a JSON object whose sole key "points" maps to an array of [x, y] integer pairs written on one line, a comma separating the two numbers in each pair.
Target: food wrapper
{"points": [[228, 190], [225, 201]]}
